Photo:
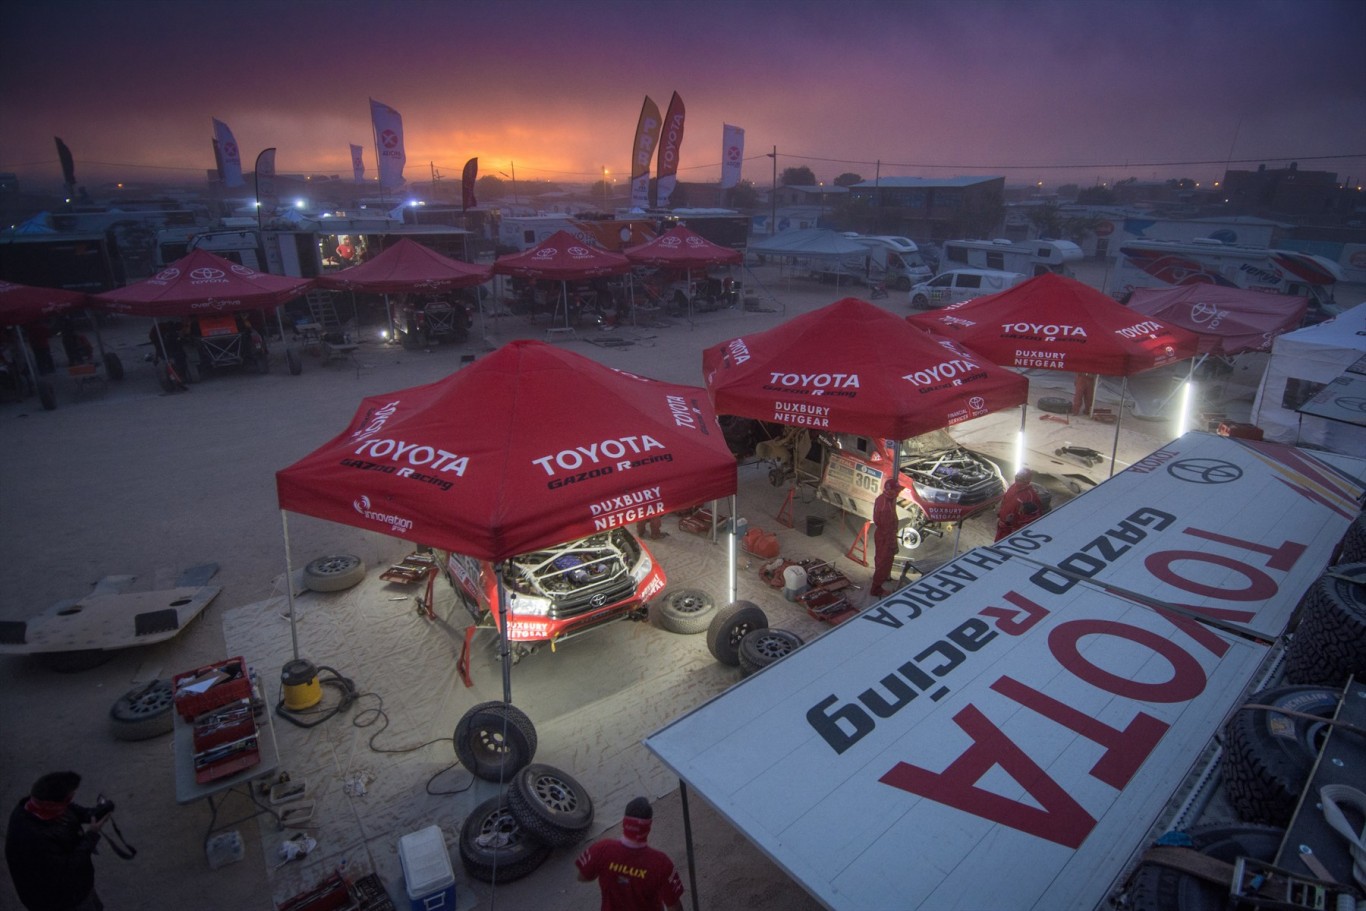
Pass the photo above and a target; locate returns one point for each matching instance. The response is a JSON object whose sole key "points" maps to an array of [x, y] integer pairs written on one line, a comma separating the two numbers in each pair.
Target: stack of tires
{"points": [[508, 836], [739, 636]]}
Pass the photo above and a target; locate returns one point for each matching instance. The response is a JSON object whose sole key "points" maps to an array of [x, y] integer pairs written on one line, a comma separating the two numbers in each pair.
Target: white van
{"points": [[962, 285]]}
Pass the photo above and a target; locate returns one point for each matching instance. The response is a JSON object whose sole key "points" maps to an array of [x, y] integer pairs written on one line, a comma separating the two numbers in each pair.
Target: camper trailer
{"points": [[1162, 264], [898, 257], [1031, 257]]}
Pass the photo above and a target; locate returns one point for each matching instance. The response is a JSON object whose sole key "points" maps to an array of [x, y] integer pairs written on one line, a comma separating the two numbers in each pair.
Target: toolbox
{"points": [[204, 688]]}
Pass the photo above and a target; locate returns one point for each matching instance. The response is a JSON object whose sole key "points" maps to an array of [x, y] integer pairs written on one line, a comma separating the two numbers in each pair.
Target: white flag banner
{"points": [[388, 143], [229, 158], [358, 163], [732, 155]]}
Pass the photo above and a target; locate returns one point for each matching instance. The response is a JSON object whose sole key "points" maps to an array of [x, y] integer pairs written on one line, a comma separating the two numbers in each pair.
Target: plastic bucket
{"points": [[814, 526]]}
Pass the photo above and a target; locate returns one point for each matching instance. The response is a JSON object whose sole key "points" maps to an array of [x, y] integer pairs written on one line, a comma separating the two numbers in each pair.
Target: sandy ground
{"points": [[137, 483]]}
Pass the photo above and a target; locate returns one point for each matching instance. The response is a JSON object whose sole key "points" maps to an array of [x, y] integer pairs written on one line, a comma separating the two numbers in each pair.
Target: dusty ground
{"points": [[134, 482]]}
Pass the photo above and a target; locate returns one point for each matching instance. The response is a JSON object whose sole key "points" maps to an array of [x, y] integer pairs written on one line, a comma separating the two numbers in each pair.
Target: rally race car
{"points": [[941, 481], [562, 591]]}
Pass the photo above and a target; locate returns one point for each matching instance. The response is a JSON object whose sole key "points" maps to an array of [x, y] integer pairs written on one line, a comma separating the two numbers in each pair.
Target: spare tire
{"points": [[1268, 756], [143, 712], [550, 805], [729, 626], [761, 647], [334, 573], [495, 740], [1354, 541], [1154, 887], [495, 848], [1330, 642], [686, 610], [1055, 404]]}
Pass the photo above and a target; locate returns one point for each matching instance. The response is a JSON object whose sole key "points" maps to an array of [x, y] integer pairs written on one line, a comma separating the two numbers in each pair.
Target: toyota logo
{"points": [[977, 403], [1204, 471], [598, 600], [167, 275], [207, 274], [1351, 403]]}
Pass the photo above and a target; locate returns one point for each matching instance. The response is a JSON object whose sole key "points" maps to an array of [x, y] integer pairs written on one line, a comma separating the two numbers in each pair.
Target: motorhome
{"points": [[898, 258], [1032, 257], [1163, 264]]}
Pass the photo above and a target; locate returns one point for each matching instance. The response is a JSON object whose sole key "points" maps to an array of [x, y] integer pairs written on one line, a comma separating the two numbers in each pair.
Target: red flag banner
{"points": [[646, 138], [670, 142], [467, 200]]}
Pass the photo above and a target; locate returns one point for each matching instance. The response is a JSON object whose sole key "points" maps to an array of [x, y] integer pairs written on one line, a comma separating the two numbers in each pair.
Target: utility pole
{"points": [[773, 196]]}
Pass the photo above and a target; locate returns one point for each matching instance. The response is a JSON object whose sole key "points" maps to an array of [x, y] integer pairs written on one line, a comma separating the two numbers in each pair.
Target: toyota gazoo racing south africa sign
{"points": [[1003, 732]]}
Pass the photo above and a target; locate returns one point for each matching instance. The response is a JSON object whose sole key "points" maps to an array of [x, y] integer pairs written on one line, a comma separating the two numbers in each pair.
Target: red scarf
{"points": [[47, 810]]}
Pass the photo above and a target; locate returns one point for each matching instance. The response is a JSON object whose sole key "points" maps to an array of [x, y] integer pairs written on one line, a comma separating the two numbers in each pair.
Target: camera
{"points": [[103, 807]]}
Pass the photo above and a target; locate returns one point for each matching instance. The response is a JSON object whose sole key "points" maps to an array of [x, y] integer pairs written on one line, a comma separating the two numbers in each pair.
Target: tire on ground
{"points": [[1153, 887], [113, 366], [685, 610], [295, 361], [550, 804], [1330, 641], [729, 625], [761, 647], [494, 741], [143, 712], [334, 573], [494, 848], [1268, 756], [1354, 541], [1055, 404]]}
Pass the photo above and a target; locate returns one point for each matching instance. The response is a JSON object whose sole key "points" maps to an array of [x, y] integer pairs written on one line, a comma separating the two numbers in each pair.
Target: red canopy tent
{"points": [[22, 304], [528, 447], [857, 369], [562, 257], [680, 248], [1057, 323], [407, 266], [1228, 321], [202, 282]]}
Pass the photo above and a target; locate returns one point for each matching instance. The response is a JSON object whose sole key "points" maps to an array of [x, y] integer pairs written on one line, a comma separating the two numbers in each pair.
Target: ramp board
{"points": [[1003, 732], [107, 621]]}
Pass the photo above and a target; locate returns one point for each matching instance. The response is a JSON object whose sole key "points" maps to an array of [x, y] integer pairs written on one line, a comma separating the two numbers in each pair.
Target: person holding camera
{"points": [[49, 846]]}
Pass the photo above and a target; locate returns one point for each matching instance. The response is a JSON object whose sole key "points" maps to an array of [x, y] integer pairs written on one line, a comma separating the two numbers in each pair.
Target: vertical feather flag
{"points": [[670, 143], [388, 143], [467, 200], [732, 155], [229, 158], [68, 163], [266, 197], [643, 148], [358, 163]]}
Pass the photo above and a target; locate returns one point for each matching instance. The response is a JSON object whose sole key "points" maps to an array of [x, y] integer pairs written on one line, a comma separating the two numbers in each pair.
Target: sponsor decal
{"points": [[945, 374], [1049, 332], [376, 420], [1145, 329], [737, 351], [404, 454], [1049, 360], [396, 523], [623, 509], [1205, 471], [685, 414]]}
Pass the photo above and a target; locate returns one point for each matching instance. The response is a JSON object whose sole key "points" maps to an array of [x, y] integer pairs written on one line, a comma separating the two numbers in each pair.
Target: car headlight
{"points": [[937, 494], [642, 569], [528, 605]]}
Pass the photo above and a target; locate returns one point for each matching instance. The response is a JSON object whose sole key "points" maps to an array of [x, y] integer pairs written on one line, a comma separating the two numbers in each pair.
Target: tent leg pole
{"points": [[1119, 419], [503, 637], [687, 841], [734, 548], [289, 585]]}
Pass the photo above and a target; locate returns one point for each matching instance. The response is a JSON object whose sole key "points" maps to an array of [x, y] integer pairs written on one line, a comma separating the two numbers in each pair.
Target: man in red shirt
{"points": [[884, 535], [632, 875], [1020, 505]]}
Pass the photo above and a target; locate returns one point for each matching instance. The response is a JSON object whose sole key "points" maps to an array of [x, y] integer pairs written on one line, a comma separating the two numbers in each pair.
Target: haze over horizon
{"points": [[1059, 92]]}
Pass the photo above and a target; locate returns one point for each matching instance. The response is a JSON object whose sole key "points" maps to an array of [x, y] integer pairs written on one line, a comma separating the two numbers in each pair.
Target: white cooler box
{"points": [[427, 873]]}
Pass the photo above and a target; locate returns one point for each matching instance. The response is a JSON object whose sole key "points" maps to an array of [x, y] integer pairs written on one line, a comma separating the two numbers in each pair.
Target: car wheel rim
{"points": [[335, 565], [553, 793], [499, 830], [772, 646]]}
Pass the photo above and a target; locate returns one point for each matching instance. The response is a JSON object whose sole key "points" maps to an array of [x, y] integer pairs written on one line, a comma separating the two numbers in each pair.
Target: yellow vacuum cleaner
{"points": [[301, 688]]}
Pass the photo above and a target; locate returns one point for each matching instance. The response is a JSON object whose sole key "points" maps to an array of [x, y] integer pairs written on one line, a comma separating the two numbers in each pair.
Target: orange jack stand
{"points": [[785, 514], [861, 545], [463, 663]]}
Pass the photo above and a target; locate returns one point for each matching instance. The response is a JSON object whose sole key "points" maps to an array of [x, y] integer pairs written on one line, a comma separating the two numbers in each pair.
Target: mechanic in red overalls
{"points": [[884, 535], [1020, 505]]}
